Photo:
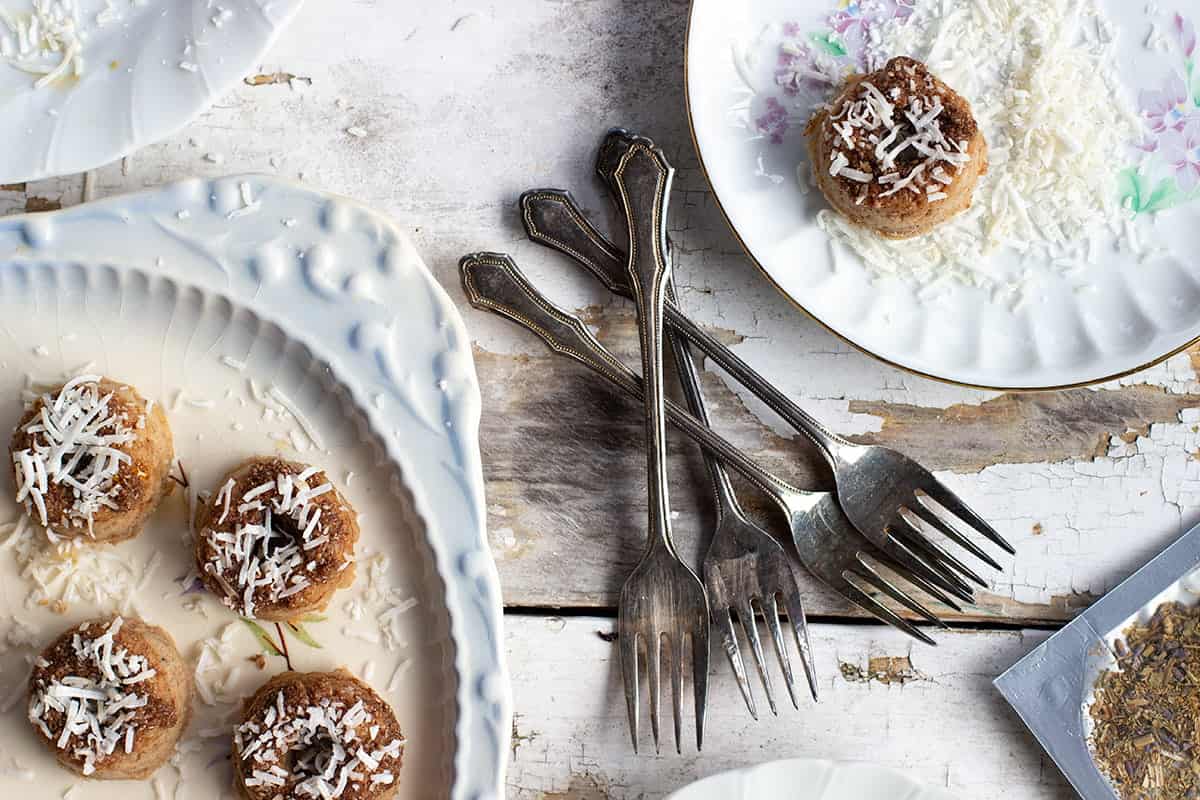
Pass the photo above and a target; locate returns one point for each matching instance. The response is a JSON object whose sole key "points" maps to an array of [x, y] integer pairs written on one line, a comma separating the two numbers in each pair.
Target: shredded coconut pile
{"points": [[99, 712], [260, 555], [1039, 77], [44, 41], [215, 677], [386, 603], [328, 753], [76, 442], [64, 572]]}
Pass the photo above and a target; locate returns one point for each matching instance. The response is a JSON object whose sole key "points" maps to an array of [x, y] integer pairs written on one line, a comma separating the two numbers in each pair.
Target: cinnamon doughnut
{"points": [[276, 540], [91, 459], [111, 697], [897, 151], [317, 735]]}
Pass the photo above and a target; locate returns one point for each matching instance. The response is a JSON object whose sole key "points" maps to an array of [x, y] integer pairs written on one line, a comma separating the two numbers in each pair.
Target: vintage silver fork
{"points": [[744, 565], [552, 218], [883, 490], [663, 604], [827, 543]]}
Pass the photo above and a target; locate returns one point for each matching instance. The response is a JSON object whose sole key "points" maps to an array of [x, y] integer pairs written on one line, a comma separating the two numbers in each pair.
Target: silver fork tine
{"points": [[653, 656], [795, 611], [916, 541], [674, 646], [884, 613], [699, 642], [919, 510], [627, 644], [949, 501], [919, 564], [730, 645], [745, 614], [916, 580], [868, 574], [771, 613]]}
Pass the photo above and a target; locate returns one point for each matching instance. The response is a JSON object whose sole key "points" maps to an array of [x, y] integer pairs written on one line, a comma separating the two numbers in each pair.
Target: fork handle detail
{"points": [[607, 258], [643, 180], [493, 282], [553, 218]]}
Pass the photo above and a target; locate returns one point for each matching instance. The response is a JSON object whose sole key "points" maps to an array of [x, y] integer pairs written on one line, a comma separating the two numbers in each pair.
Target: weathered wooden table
{"points": [[464, 105]]}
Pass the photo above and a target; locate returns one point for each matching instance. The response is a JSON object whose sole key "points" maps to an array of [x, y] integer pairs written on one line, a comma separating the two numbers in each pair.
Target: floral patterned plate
{"points": [[753, 72]]}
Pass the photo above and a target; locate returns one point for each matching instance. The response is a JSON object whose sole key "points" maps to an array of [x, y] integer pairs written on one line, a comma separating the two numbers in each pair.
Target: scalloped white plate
{"points": [[1129, 316], [146, 73], [810, 779], [204, 294]]}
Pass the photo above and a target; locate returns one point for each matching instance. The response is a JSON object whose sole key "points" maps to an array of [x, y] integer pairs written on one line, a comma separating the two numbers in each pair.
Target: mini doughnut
{"points": [[91, 459], [111, 697], [276, 540], [897, 151], [317, 735]]}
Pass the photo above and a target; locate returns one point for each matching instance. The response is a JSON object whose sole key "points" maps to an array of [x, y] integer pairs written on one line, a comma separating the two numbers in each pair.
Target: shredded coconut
{"points": [[257, 559], [45, 41], [324, 743], [76, 441], [100, 708], [65, 572], [1044, 98]]}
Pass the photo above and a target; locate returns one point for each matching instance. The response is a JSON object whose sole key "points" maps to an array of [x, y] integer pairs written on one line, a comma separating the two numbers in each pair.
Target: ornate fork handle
{"points": [[551, 209], [492, 281], [643, 179]]}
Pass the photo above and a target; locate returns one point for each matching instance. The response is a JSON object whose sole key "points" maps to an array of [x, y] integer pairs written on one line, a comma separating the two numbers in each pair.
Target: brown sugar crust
{"points": [[903, 214], [142, 481], [332, 561], [159, 724], [301, 690]]}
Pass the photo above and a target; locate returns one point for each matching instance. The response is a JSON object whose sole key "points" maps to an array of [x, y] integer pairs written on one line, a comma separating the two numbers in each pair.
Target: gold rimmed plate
{"points": [[1126, 309]]}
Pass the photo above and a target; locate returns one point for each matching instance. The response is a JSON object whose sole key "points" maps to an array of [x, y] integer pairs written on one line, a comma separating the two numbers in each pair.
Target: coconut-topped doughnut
{"points": [[897, 151], [111, 698], [317, 735], [276, 540], [91, 459]]}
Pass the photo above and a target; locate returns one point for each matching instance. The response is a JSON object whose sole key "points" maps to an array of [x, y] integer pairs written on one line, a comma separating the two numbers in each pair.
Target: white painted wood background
{"points": [[467, 103]]}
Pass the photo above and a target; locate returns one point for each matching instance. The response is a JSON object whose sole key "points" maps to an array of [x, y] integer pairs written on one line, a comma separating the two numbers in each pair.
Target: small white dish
{"points": [[1111, 319], [204, 295], [147, 69], [810, 779]]}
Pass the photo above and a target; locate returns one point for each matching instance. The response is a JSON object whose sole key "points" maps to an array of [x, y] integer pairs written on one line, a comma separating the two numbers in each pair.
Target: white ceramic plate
{"points": [[1131, 315], [204, 295], [147, 69], [810, 779]]}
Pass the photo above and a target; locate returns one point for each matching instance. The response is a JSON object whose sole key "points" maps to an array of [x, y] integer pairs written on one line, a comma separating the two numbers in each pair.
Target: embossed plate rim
{"points": [[1036, 375], [160, 84], [131, 230]]}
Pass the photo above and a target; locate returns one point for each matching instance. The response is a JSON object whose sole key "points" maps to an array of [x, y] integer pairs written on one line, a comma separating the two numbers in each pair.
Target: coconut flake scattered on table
{"points": [[1043, 97]]}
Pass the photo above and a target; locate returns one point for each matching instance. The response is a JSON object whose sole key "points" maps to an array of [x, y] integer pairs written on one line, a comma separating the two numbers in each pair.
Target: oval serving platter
{"points": [[266, 318], [1124, 313], [137, 72], [810, 779]]}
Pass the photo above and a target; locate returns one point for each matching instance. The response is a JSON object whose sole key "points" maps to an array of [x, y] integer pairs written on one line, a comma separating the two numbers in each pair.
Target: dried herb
{"points": [[1147, 712]]}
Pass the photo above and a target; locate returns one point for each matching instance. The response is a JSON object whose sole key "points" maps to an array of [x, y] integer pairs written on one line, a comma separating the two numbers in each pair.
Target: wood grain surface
{"points": [[467, 104]]}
